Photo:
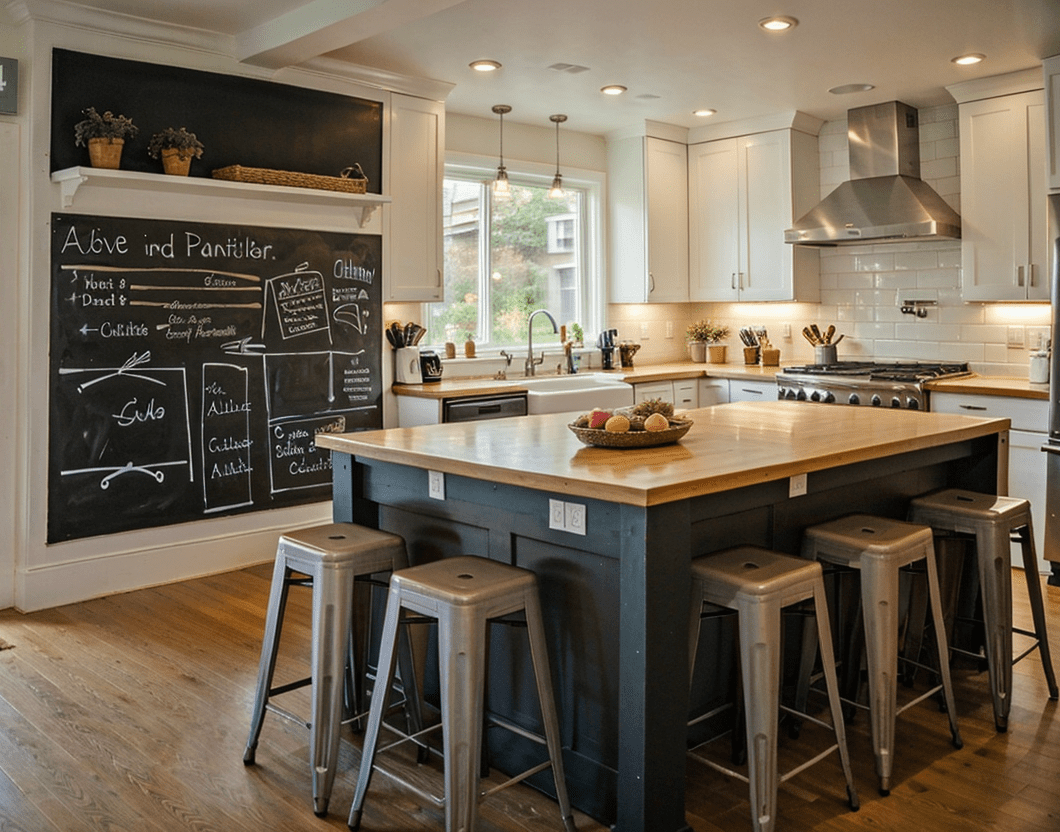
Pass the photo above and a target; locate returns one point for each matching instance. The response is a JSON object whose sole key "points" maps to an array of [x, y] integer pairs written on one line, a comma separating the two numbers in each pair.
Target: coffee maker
{"points": [[605, 342]]}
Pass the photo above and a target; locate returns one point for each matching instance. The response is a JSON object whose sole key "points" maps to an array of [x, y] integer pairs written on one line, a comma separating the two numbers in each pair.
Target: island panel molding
{"points": [[194, 365]]}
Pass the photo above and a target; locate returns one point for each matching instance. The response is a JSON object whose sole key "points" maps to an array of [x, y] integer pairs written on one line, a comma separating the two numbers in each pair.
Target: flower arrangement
{"points": [[706, 331], [175, 138], [107, 126]]}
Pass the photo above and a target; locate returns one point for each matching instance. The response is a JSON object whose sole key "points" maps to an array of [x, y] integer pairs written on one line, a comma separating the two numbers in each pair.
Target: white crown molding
{"points": [[1025, 80], [378, 78], [788, 120], [653, 129]]}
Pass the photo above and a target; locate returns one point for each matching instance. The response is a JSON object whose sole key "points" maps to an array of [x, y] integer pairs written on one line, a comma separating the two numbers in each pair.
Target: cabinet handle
{"points": [[741, 281], [971, 407], [1019, 275], [651, 283], [1051, 449], [757, 392], [734, 280], [1030, 274]]}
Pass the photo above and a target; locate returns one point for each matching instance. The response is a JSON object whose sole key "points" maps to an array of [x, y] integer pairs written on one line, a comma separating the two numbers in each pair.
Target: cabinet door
{"points": [[417, 144], [1003, 210], [1051, 68], [667, 227], [765, 212], [655, 390], [713, 391], [686, 394], [752, 391], [713, 221]]}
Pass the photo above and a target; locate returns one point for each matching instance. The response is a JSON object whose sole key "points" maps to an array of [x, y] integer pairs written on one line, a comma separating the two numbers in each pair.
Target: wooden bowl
{"points": [[600, 438]]}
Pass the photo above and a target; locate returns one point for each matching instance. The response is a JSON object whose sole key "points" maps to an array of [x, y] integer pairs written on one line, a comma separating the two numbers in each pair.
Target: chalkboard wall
{"points": [[241, 121], [192, 365]]}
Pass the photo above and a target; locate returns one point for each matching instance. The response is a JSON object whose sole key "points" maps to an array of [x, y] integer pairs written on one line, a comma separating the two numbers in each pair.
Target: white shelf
{"points": [[71, 180]]}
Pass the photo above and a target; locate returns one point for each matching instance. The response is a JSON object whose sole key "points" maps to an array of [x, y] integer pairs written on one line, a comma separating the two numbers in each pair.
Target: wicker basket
{"points": [[265, 176], [632, 439]]}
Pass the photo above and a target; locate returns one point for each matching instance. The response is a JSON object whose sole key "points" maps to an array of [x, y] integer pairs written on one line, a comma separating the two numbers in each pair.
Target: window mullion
{"points": [[485, 259]]}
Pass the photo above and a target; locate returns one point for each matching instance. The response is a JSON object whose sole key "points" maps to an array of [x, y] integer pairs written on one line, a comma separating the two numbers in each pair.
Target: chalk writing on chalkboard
{"points": [[194, 364]]}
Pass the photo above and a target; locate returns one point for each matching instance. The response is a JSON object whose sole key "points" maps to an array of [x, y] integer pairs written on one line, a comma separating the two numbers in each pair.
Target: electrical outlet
{"points": [[669, 329], [436, 485], [785, 331], [1015, 336], [575, 518], [797, 485], [644, 331], [566, 517], [1037, 336], [557, 514]]}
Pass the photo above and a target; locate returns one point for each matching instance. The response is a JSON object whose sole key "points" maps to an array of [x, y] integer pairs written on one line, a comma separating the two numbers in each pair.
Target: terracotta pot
{"points": [[174, 164], [717, 353], [697, 351], [105, 153]]}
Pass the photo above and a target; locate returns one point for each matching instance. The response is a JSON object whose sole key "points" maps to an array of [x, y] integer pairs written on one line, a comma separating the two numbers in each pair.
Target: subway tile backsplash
{"points": [[863, 287]]}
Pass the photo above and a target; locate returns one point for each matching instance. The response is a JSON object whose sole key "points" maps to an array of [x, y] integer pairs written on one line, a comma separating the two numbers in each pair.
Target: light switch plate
{"points": [[436, 485], [1015, 336], [574, 516], [557, 514]]}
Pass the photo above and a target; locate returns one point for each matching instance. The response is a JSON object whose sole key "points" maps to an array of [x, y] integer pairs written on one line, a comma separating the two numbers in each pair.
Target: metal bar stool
{"points": [[464, 594], [879, 548], [758, 584], [995, 522], [329, 558]]}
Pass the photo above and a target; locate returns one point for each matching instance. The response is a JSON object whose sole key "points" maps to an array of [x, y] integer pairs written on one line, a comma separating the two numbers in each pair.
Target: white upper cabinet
{"points": [[744, 192], [648, 184], [1051, 68], [1004, 221], [417, 165]]}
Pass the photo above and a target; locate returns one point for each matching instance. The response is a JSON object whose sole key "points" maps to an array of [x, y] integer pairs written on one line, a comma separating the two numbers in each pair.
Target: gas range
{"points": [[877, 384]]}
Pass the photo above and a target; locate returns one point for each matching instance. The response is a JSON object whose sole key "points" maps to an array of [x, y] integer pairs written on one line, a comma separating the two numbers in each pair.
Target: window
{"points": [[506, 257]]}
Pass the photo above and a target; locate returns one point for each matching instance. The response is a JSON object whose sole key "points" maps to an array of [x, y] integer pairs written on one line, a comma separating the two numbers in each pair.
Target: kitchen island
{"points": [[615, 582]]}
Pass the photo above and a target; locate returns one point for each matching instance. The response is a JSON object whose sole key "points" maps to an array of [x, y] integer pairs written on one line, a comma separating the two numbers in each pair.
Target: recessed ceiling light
{"points": [[967, 60], [485, 66], [706, 111], [778, 23], [613, 89], [846, 89]]}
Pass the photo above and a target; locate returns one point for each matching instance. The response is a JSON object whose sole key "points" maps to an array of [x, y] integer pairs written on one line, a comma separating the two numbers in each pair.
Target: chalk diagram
{"points": [[134, 422]]}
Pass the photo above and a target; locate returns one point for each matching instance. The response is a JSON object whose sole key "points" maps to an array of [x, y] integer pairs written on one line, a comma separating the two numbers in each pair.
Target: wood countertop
{"points": [[1018, 388], [449, 388], [729, 446]]}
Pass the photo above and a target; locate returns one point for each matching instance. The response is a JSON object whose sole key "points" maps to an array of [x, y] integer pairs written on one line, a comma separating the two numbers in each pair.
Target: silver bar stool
{"points": [[878, 548], [329, 558], [464, 594], [758, 584], [993, 521]]}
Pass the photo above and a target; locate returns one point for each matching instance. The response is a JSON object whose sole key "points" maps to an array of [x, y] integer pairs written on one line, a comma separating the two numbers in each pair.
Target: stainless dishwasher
{"points": [[475, 408]]}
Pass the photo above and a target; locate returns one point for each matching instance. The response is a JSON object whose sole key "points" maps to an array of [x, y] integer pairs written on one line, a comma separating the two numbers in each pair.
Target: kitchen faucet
{"points": [[531, 364]]}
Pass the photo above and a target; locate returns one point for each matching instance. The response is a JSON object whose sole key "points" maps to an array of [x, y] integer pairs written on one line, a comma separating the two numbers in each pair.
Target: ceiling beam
{"points": [[322, 26]]}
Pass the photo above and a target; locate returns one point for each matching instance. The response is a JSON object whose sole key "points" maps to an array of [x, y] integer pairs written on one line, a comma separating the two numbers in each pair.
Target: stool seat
{"points": [[878, 548], [993, 520], [758, 584], [464, 594], [331, 557]]}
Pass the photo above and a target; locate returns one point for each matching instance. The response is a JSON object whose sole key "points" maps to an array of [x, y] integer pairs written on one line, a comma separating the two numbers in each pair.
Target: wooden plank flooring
{"points": [[130, 713]]}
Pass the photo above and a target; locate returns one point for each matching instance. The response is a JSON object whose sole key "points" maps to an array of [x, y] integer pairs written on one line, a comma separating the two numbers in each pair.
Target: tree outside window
{"points": [[504, 258]]}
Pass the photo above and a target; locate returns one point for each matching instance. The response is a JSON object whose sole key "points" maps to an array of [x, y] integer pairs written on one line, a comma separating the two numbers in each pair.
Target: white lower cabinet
{"points": [[713, 391], [1026, 462], [653, 390], [684, 393], [752, 391]]}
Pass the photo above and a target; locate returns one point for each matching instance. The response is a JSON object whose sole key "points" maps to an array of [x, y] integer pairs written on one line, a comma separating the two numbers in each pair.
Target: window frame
{"points": [[478, 168]]}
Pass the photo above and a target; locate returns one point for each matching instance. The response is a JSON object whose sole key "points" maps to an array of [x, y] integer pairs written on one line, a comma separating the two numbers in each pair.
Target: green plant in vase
{"points": [[105, 136], [176, 147]]}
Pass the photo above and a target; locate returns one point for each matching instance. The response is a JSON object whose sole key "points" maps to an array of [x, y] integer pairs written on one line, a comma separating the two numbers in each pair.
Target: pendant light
{"points": [[556, 191], [500, 184]]}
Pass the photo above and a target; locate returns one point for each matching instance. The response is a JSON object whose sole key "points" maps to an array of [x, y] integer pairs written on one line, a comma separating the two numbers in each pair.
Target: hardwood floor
{"points": [[130, 713]]}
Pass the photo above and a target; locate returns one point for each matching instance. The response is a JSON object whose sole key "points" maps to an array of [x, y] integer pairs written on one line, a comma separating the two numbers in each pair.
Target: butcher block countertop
{"points": [[452, 387], [728, 446], [1018, 388]]}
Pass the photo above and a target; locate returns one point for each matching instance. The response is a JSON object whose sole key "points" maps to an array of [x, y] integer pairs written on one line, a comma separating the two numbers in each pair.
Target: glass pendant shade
{"points": [[500, 184], [556, 191]]}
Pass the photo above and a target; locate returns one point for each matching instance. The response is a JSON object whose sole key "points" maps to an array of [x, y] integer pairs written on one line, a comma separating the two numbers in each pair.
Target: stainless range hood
{"points": [[885, 199]]}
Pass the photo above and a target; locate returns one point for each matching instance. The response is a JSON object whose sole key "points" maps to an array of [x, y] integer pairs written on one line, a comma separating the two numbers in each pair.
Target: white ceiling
{"points": [[673, 55]]}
